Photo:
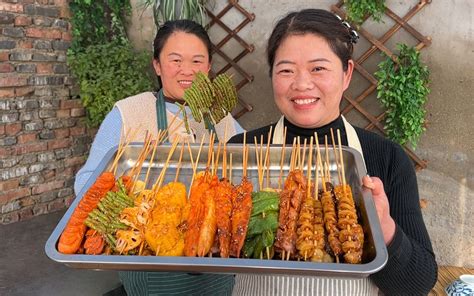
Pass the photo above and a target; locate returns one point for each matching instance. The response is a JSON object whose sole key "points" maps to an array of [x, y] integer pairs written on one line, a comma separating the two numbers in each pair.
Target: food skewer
{"points": [[338, 163]]}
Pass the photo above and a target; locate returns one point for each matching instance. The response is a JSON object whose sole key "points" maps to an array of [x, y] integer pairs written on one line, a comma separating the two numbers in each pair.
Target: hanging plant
{"points": [[403, 89], [357, 10], [102, 59], [168, 10]]}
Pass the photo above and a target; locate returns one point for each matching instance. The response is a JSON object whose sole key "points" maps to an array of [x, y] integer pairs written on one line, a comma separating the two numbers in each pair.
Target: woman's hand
{"points": [[382, 207]]}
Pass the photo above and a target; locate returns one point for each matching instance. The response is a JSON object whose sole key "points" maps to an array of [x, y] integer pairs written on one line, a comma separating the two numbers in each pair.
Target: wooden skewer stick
{"points": [[335, 156], [267, 158], [327, 172], [121, 142], [152, 159], [244, 150], [257, 157], [310, 164], [161, 177], [230, 168], [304, 154], [196, 163], [179, 163], [283, 255], [293, 155], [320, 163], [298, 154], [341, 159], [316, 175], [282, 159], [267, 249]]}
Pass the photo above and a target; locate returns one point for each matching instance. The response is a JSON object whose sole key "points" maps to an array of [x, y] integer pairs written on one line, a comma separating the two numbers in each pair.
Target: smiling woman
{"points": [[309, 54], [181, 50]]}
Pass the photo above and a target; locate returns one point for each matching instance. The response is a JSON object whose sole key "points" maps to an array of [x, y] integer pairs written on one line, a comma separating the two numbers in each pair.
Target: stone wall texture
{"points": [[43, 138]]}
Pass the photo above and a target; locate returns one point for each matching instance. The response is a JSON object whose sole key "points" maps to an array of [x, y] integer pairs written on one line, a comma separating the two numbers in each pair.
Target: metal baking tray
{"points": [[375, 253]]}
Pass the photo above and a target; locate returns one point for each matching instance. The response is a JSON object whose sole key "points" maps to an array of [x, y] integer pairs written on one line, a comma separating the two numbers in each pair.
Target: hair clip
{"points": [[352, 32]]}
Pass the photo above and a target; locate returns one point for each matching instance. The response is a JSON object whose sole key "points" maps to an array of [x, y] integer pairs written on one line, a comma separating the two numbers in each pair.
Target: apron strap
{"points": [[279, 131], [353, 139]]}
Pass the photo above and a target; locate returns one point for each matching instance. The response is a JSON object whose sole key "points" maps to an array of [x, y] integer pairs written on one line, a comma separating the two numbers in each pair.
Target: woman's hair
{"points": [[337, 33], [186, 26]]}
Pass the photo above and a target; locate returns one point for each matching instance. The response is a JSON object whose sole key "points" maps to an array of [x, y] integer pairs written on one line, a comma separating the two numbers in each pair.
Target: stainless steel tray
{"points": [[375, 252]]}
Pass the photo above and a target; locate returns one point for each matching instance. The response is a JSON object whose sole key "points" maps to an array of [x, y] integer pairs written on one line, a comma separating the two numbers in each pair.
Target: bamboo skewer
{"points": [[151, 162], [196, 163], [244, 156], [178, 167], [341, 159], [282, 159], [310, 164], [327, 171], [267, 157], [304, 155], [335, 155], [257, 157]]}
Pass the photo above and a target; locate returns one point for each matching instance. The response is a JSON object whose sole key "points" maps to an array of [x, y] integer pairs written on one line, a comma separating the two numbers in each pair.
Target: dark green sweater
{"points": [[411, 267]]}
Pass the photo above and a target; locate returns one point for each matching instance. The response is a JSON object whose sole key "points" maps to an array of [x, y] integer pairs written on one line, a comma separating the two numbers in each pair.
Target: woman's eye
{"points": [[197, 62], [318, 69], [285, 71], [177, 61]]}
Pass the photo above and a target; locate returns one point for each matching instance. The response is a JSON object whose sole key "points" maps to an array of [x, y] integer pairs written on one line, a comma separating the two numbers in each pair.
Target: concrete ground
{"points": [[26, 270]]}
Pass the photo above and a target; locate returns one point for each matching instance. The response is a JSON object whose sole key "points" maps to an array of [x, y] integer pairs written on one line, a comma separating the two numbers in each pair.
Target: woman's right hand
{"points": [[381, 206]]}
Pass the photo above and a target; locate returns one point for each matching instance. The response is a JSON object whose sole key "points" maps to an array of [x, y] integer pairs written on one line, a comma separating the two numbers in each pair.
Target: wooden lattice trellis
{"points": [[378, 44], [216, 19]]}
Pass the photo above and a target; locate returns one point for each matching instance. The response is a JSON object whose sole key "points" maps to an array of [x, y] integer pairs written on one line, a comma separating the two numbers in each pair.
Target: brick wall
{"points": [[43, 139]]}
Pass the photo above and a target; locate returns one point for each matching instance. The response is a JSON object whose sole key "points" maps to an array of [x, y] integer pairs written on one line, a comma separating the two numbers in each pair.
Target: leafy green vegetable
{"points": [[358, 9]]}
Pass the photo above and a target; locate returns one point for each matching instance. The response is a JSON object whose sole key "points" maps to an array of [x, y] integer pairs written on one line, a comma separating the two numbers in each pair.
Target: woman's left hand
{"points": [[382, 207]]}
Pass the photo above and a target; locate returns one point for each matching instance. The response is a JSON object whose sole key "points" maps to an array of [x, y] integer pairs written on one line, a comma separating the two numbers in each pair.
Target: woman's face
{"points": [[308, 80], [182, 56]]}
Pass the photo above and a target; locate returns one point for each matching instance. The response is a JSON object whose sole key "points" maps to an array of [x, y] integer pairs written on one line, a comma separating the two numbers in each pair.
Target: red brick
{"points": [[68, 200], [27, 201], [63, 113], [4, 56], [56, 205], [13, 128], [9, 184], [6, 196], [74, 161], [64, 13], [2, 129], [43, 33], [42, 2], [25, 44], [47, 187], [75, 131], [7, 93], [36, 147], [12, 81], [69, 104], [23, 91], [61, 2], [61, 133], [10, 217], [48, 175], [40, 209], [25, 138], [7, 151], [11, 7], [44, 68], [78, 112], [6, 67], [61, 143], [25, 214], [22, 21], [67, 36]]}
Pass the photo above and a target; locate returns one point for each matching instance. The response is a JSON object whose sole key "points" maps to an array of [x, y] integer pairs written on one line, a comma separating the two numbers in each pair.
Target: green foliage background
{"points": [[101, 58], [358, 9], [403, 89]]}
